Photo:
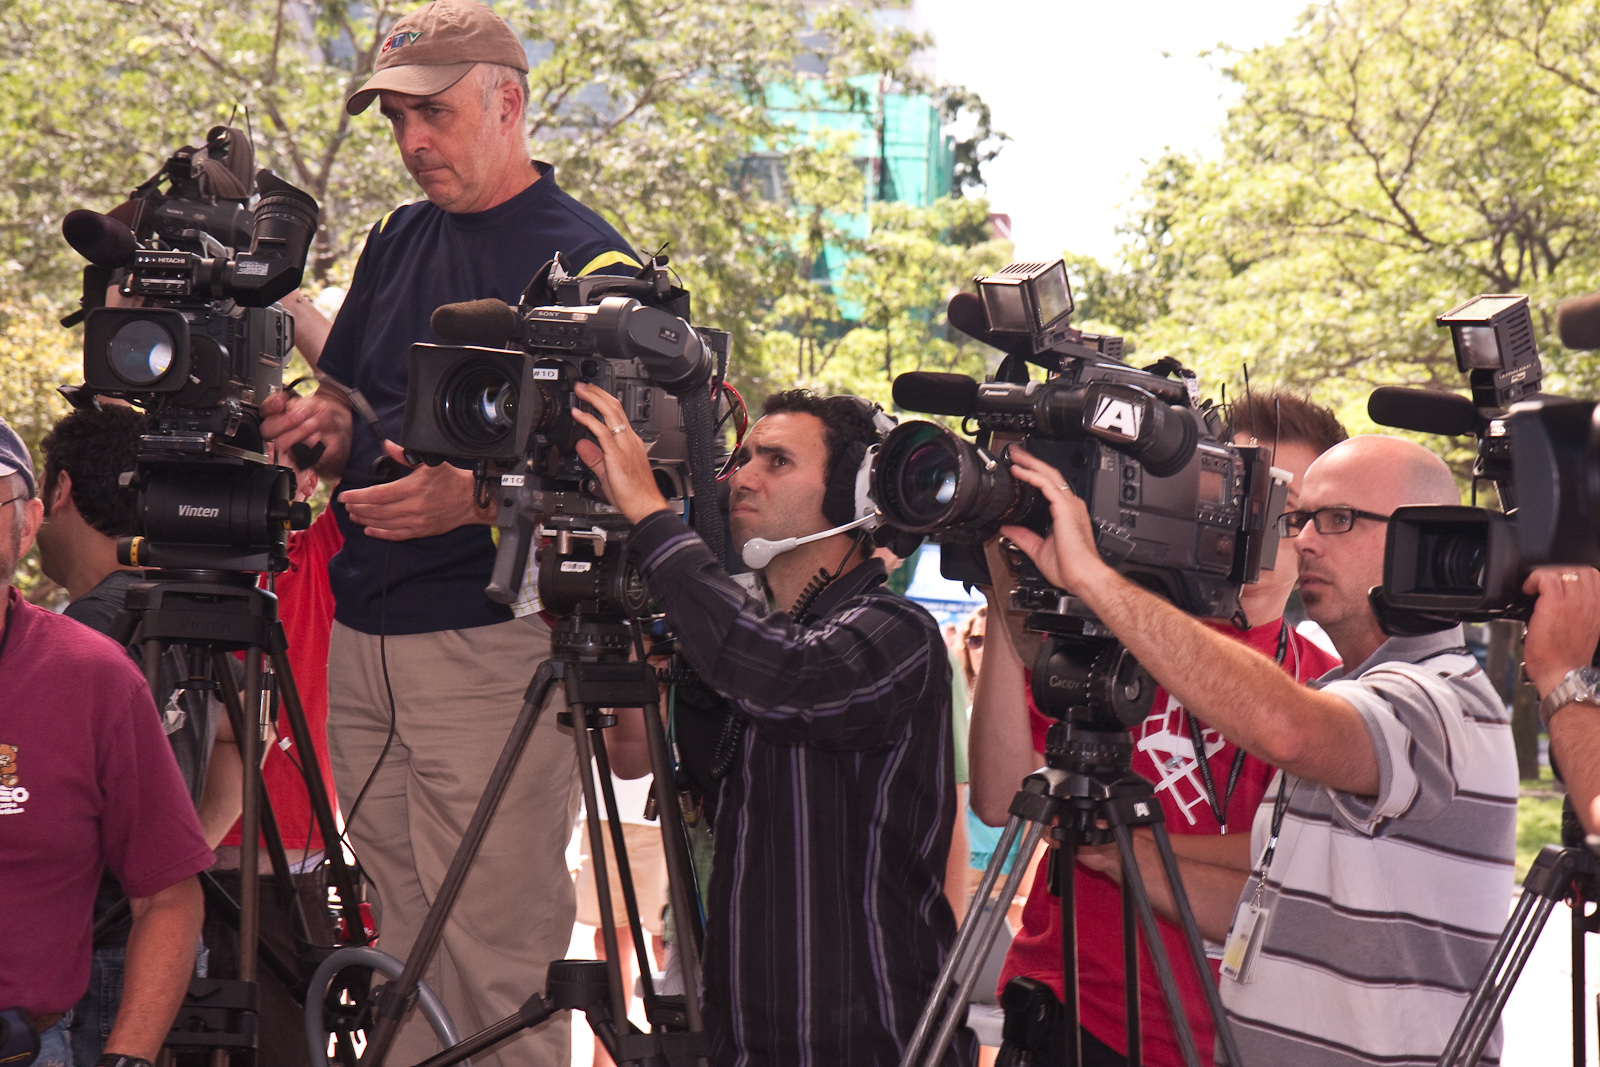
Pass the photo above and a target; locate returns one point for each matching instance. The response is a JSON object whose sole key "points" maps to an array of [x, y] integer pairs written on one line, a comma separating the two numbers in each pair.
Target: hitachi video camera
{"points": [[1176, 508], [198, 343]]}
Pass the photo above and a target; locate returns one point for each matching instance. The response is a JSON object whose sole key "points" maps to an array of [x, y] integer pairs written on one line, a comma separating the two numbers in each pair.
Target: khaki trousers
{"points": [[456, 695]]}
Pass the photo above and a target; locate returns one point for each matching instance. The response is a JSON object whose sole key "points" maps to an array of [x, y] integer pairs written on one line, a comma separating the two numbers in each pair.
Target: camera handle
{"points": [[1081, 801], [1556, 873], [593, 986]]}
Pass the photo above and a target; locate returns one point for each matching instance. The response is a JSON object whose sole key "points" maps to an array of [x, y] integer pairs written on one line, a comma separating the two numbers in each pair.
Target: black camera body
{"points": [[1175, 507], [202, 350], [1445, 565], [506, 412]]}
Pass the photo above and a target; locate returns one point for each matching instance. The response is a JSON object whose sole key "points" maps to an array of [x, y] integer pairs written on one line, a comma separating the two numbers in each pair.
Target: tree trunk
{"points": [[1505, 670]]}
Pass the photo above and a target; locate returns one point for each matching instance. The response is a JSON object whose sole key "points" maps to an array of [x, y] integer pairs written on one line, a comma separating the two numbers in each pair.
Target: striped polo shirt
{"points": [[1382, 910]]}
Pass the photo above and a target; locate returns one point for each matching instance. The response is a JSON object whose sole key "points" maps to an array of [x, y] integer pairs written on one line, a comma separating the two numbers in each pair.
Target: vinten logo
{"points": [[189, 511]]}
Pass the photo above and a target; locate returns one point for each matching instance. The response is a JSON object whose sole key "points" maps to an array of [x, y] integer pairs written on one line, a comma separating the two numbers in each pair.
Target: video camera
{"points": [[204, 347], [1446, 564], [506, 413], [1176, 507]]}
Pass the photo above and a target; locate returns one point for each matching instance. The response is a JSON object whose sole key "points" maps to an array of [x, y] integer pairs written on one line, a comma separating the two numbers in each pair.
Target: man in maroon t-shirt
{"points": [[87, 780], [1208, 820]]}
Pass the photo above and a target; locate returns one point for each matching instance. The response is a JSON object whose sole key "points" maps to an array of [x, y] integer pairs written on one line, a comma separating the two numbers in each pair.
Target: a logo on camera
{"points": [[189, 511], [1120, 417]]}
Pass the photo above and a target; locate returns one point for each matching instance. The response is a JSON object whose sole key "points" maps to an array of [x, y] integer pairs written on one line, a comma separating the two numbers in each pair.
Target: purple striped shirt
{"points": [[827, 920]]}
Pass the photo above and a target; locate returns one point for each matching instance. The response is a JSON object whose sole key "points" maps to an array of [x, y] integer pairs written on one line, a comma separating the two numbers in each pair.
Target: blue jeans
{"points": [[89, 1022], [54, 1047]]}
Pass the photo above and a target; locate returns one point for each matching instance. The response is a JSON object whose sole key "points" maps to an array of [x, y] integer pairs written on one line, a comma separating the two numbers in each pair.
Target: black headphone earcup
{"points": [[839, 501]]}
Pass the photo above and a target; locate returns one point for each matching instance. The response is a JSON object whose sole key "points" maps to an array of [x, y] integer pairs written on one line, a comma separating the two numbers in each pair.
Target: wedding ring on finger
{"points": [[1569, 577], [617, 429]]}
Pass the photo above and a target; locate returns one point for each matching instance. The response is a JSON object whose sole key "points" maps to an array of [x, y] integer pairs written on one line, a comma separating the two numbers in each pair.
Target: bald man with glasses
{"points": [[1383, 851]]}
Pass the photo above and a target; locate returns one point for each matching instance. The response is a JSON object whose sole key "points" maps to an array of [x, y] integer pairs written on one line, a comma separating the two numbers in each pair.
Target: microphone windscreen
{"points": [[965, 312], [936, 393], [477, 322], [758, 551], [1423, 410], [101, 239], [1578, 322]]}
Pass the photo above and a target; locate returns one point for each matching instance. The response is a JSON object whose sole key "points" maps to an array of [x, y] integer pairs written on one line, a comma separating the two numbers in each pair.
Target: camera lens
{"points": [[140, 352], [928, 480], [480, 405], [1457, 562]]}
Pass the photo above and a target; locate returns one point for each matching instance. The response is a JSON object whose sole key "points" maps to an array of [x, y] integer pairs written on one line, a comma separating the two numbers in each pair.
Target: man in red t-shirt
{"points": [[1208, 820], [87, 780]]}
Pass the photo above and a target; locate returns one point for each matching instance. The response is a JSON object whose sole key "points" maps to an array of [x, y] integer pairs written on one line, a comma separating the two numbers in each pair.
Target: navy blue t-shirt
{"points": [[416, 259]]}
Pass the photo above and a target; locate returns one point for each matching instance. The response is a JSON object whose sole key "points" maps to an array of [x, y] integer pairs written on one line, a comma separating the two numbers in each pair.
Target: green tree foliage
{"points": [[901, 276], [650, 110], [1389, 160]]}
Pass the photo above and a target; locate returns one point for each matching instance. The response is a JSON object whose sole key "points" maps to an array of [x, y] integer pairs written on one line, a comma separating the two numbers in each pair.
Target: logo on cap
{"points": [[404, 37]]}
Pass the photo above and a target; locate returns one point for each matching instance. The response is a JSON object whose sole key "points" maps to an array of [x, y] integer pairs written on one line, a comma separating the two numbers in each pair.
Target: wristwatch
{"points": [[113, 1059], [1580, 686]]}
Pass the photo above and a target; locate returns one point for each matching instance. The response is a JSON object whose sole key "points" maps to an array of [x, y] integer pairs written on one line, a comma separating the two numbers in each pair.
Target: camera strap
{"points": [[1197, 739]]}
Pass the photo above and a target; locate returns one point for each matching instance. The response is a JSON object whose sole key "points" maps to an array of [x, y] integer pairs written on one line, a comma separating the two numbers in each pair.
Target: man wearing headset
{"points": [[827, 921]]}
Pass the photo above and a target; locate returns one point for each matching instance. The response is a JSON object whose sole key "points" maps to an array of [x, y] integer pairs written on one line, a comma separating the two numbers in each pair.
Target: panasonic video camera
{"points": [[502, 406], [1448, 564], [197, 341], [1176, 507]]}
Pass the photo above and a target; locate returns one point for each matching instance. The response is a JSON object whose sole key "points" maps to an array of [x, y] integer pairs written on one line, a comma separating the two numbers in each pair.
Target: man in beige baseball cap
{"points": [[426, 674], [435, 46]]}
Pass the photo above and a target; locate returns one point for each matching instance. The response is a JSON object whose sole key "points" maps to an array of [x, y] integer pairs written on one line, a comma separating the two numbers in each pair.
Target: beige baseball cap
{"points": [[434, 47]]}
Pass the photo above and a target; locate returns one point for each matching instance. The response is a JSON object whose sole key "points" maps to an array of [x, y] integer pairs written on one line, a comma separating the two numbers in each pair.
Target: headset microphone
{"points": [[758, 551]]}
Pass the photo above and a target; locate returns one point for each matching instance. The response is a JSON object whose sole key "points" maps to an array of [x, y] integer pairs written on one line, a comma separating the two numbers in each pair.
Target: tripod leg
{"points": [[973, 940], [1521, 948], [619, 849], [249, 741], [1130, 979], [340, 872], [1065, 859], [597, 857], [222, 670], [1580, 1006], [682, 891], [398, 996], [1132, 879]]}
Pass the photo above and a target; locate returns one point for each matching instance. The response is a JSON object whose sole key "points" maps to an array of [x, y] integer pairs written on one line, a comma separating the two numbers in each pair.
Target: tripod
{"points": [[214, 613], [1089, 793], [1557, 873], [589, 656]]}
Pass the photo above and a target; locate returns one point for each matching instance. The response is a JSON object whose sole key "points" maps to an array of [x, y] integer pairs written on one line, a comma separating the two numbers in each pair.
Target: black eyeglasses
{"points": [[14, 499], [1326, 520], [975, 642]]}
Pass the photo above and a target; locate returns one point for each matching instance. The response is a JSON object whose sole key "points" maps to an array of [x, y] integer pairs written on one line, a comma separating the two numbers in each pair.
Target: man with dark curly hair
{"points": [[827, 922]]}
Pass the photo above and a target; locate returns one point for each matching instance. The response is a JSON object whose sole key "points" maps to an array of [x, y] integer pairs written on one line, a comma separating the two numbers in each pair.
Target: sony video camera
{"points": [[198, 342], [1448, 564], [1176, 507], [502, 405]]}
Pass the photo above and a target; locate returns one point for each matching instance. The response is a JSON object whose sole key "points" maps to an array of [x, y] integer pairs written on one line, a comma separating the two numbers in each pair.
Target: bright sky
{"points": [[1089, 92]]}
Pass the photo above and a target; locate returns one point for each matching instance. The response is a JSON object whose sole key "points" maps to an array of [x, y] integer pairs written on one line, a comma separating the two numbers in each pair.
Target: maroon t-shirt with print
{"points": [[87, 780]]}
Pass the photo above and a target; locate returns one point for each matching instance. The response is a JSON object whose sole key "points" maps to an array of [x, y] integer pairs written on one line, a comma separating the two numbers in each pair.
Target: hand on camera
{"points": [[620, 459], [426, 502], [289, 420], [1565, 625], [1067, 558]]}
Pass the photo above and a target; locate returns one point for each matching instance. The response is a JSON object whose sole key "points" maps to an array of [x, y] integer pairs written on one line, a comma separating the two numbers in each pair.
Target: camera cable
{"points": [[1197, 739]]}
